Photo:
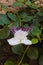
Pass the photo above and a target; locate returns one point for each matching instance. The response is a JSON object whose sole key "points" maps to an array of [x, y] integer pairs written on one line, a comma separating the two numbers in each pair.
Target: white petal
{"points": [[26, 42], [13, 41]]}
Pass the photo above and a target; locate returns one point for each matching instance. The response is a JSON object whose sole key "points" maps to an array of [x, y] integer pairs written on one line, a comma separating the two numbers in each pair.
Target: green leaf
{"points": [[40, 13], [4, 7], [29, 18], [35, 22], [16, 24], [9, 62], [17, 3], [35, 30], [34, 6], [17, 49], [4, 33], [12, 16], [41, 60], [25, 17], [4, 19], [20, 0], [30, 4], [34, 41], [32, 53]]}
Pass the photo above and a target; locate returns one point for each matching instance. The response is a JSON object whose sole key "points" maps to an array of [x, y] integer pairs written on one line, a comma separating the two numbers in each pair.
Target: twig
{"points": [[23, 55]]}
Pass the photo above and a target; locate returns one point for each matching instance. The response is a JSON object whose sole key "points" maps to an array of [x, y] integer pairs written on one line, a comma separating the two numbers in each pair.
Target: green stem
{"points": [[10, 24], [23, 55]]}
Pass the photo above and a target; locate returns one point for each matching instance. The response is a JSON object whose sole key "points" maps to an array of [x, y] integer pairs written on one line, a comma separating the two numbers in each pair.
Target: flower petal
{"points": [[13, 41], [13, 29], [26, 42]]}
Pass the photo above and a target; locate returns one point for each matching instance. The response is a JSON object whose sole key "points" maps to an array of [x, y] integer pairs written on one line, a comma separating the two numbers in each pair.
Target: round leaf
{"points": [[4, 7], [12, 16], [20, 0], [35, 30], [8, 62], [18, 49], [17, 4], [4, 33], [4, 19], [34, 41], [32, 53], [30, 4]]}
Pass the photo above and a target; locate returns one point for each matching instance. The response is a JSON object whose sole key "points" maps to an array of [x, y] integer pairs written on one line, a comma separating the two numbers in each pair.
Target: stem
{"points": [[10, 24], [23, 55]]}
